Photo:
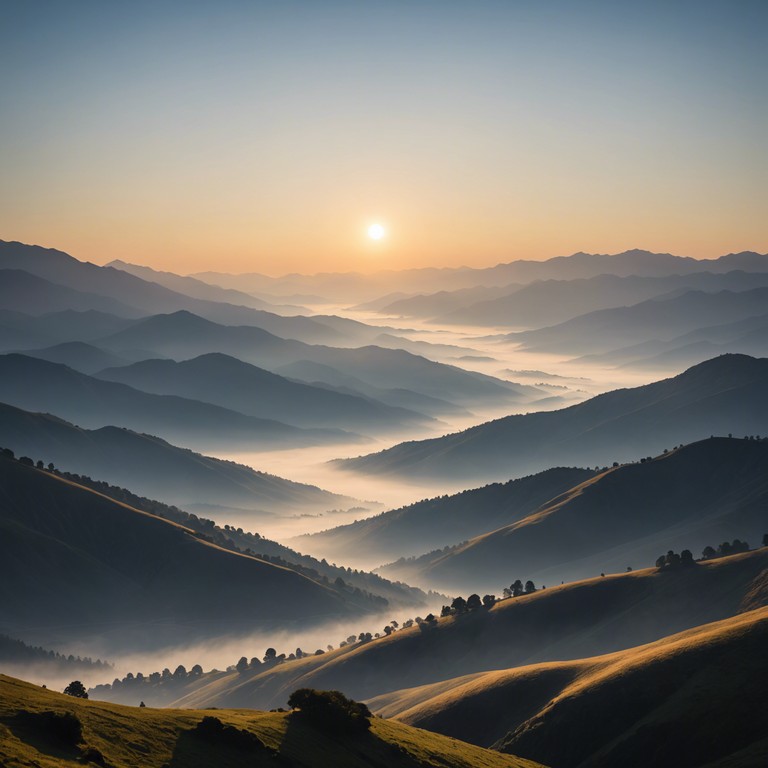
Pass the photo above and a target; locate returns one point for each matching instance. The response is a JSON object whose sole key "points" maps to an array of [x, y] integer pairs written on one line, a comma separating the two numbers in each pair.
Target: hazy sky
{"points": [[267, 136]]}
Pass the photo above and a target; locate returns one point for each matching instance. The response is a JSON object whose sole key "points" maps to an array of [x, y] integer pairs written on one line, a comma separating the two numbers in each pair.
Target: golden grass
{"points": [[129, 737]]}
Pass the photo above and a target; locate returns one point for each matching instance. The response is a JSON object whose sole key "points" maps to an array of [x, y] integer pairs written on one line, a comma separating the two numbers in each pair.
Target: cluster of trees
{"points": [[16, 651], [728, 548], [516, 588], [673, 560]]}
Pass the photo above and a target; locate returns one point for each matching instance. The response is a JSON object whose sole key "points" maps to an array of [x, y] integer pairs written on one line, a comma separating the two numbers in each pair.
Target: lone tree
{"points": [[529, 587], [76, 689], [330, 710]]}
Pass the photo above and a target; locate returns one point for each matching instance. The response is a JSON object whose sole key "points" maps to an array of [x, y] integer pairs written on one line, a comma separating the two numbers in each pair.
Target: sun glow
{"points": [[376, 232]]}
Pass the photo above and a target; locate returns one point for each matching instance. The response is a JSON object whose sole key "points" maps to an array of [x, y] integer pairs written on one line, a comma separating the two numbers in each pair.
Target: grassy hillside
{"points": [[446, 519], [127, 737], [720, 396], [76, 563], [572, 621], [152, 467], [691, 497], [688, 699]]}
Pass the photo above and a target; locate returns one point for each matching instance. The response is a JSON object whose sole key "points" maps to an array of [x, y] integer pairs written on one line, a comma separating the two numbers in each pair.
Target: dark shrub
{"points": [[330, 710], [214, 732]]}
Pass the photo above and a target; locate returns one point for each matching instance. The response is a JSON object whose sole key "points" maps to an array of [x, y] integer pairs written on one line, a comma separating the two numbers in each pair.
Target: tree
{"points": [[180, 672], [686, 557], [76, 689], [459, 604], [529, 587], [270, 656], [489, 600], [708, 553], [242, 665], [517, 588], [330, 711], [474, 603], [196, 671]]}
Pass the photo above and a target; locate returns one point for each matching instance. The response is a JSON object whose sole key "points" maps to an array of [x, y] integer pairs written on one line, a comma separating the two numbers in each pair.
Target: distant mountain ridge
{"points": [[720, 396]]}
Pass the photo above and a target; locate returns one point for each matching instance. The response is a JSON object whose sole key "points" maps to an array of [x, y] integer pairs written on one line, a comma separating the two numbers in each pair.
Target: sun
{"points": [[376, 232]]}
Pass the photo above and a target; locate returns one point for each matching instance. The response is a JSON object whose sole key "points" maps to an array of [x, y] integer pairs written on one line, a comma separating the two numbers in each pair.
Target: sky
{"points": [[269, 136]]}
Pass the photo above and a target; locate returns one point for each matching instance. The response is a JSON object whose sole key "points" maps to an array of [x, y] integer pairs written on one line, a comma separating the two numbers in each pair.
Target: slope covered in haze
{"points": [[702, 493], [572, 621], [547, 302], [182, 335], [690, 699], [76, 563], [720, 396], [445, 519], [35, 384], [656, 319], [152, 467], [126, 737], [229, 382]]}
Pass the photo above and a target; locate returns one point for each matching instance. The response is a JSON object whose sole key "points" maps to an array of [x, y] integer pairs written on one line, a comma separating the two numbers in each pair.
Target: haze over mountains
{"points": [[720, 396], [147, 389]]}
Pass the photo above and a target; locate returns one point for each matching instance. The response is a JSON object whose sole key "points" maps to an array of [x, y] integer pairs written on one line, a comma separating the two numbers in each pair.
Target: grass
{"points": [[164, 738]]}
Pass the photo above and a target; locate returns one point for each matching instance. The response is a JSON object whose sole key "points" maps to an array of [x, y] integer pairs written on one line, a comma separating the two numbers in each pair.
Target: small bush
{"points": [[213, 731], [62, 727], [330, 710]]}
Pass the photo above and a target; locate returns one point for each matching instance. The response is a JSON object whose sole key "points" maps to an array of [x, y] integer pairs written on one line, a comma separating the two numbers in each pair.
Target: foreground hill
{"points": [[126, 737], [36, 384], [572, 621], [694, 699], [446, 519], [229, 382], [691, 497], [720, 396], [152, 467], [76, 563]]}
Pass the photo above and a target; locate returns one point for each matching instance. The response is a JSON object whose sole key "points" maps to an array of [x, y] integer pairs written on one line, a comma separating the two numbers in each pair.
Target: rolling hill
{"points": [[223, 380], [446, 519], [571, 621], [76, 563], [152, 467], [720, 396], [691, 699], [35, 384], [125, 737], [689, 498]]}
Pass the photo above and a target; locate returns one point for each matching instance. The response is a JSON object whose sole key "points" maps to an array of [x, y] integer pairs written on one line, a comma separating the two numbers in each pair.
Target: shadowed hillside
{"points": [[690, 699], [76, 562], [687, 498], [40, 727], [436, 522], [719, 396], [572, 621]]}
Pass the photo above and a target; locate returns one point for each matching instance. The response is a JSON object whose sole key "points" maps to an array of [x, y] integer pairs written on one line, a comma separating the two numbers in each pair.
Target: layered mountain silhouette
{"points": [[690, 497], [153, 467], [655, 319], [35, 384], [720, 396], [229, 382]]}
